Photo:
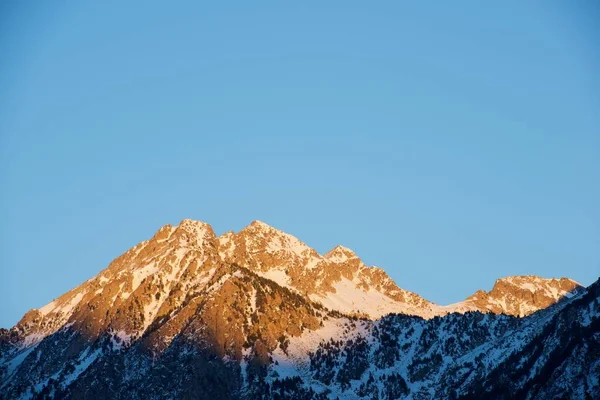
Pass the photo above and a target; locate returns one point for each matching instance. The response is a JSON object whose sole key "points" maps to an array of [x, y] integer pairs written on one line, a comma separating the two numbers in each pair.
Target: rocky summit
{"points": [[258, 314]]}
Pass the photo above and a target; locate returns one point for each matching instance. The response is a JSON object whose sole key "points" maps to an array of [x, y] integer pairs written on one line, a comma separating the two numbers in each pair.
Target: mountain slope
{"points": [[552, 354]]}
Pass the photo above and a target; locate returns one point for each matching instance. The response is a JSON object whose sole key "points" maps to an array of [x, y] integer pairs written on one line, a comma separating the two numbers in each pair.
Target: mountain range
{"points": [[259, 314]]}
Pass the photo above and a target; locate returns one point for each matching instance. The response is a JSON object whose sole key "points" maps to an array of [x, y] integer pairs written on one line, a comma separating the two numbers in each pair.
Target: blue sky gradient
{"points": [[450, 145]]}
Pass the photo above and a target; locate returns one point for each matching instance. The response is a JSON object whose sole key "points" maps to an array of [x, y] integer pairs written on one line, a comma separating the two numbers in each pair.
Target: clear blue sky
{"points": [[451, 145]]}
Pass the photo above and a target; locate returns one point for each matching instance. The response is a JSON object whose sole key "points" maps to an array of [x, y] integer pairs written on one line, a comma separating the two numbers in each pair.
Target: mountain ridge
{"points": [[289, 252]]}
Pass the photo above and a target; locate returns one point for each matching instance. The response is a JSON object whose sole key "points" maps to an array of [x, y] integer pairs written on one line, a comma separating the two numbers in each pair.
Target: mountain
{"points": [[518, 295], [259, 314]]}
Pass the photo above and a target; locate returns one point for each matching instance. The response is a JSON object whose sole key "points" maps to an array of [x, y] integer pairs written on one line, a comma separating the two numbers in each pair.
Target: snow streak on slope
{"points": [[349, 298]]}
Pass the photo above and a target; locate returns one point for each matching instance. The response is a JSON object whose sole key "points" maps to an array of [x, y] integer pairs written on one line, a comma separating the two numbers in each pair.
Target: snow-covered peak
{"points": [[340, 254], [518, 295], [198, 232], [261, 228], [194, 226], [257, 224], [263, 237]]}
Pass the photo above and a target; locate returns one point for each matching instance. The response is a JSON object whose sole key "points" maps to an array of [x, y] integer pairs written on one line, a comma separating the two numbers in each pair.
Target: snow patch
{"points": [[350, 299], [48, 308], [278, 276]]}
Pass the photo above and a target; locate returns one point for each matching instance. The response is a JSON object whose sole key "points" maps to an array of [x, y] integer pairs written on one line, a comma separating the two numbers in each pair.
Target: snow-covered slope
{"points": [[552, 354]]}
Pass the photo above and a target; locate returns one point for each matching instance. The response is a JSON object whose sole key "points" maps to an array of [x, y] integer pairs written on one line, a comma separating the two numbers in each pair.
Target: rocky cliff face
{"points": [[258, 313]]}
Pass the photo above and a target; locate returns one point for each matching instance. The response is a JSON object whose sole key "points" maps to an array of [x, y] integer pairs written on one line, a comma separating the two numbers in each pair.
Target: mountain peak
{"points": [[260, 227], [197, 232], [534, 283], [193, 224], [522, 294], [262, 237], [340, 254], [258, 224]]}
